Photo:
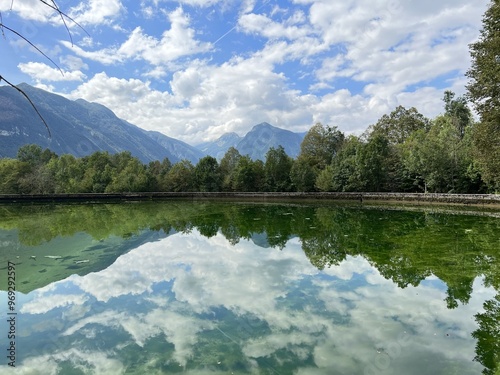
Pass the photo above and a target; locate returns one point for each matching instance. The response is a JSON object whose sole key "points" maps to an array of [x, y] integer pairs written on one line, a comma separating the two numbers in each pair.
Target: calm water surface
{"points": [[239, 288]]}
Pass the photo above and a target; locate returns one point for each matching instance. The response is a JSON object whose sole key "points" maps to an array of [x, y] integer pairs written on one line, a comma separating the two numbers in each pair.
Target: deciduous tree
{"points": [[207, 174], [400, 124], [180, 177], [277, 170], [227, 167], [320, 145], [483, 90]]}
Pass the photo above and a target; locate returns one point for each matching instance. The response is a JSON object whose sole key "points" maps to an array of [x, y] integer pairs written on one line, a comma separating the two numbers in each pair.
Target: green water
{"points": [[242, 288]]}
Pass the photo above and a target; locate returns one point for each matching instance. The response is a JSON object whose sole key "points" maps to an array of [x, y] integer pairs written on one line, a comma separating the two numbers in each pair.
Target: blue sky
{"points": [[195, 69]]}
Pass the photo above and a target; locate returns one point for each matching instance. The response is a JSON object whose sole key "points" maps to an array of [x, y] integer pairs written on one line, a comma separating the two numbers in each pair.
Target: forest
{"points": [[403, 152]]}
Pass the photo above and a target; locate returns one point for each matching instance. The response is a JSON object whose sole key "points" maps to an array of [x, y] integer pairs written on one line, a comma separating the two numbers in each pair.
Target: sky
{"points": [[196, 69]]}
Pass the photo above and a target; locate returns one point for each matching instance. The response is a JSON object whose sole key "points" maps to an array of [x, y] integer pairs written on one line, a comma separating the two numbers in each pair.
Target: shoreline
{"points": [[490, 200]]}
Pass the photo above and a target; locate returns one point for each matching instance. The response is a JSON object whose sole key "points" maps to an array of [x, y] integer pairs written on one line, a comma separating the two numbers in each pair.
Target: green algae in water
{"points": [[200, 287]]}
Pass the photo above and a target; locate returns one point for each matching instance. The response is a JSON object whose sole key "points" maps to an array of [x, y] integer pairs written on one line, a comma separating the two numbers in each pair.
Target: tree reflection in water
{"points": [[405, 246]]}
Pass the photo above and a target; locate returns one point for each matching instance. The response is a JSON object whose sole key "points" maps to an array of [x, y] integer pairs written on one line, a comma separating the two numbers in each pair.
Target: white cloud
{"points": [[198, 3], [394, 45], [49, 88], [42, 72], [96, 12], [177, 42], [179, 329], [247, 6], [73, 62], [95, 362], [47, 303], [33, 10], [265, 26], [106, 56], [204, 99], [91, 12]]}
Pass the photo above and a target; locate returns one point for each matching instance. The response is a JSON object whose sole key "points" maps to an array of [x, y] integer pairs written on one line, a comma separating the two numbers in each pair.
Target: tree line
{"points": [[403, 152]]}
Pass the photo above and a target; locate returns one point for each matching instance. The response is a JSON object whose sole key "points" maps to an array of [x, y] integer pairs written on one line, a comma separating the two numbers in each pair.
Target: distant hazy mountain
{"points": [[264, 136], [256, 142], [180, 150], [78, 128], [218, 148]]}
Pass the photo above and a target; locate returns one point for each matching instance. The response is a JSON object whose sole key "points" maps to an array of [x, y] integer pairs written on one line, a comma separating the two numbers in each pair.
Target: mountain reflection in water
{"points": [[221, 288]]}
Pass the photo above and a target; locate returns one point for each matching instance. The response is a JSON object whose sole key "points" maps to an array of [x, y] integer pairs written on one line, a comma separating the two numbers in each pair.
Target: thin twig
{"points": [[1, 25], [29, 100], [52, 4], [63, 16], [31, 44], [62, 19]]}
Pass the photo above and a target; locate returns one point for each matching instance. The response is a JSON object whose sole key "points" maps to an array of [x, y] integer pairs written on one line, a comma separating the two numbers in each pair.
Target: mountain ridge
{"points": [[79, 127], [256, 142]]}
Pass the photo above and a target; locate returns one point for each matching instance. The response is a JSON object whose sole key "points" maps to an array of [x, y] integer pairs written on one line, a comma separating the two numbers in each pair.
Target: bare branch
{"points": [[29, 100], [31, 44], [1, 25], [63, 17], [52, 4]]}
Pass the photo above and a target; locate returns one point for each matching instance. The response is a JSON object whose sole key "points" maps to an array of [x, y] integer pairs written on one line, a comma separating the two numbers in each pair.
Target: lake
{"points": [[249, 288]]}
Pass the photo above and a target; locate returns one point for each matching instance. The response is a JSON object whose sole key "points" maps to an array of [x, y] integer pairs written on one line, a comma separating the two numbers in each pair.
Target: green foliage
{"points": [[483, 87], [321, 144], [38, 181], [340, 175], [130, 175], [34, 155], [228, 166], [181, 177], [11, 172], [344, 172], [458, 111], [302, 175], [98, 172], [68, 173], [483, 90], [207, 175], [487, 151], [372, 163], [357, 167], [157, 174], [440, 158], [277, 170], [488, 337], [248, 175], [400, 124]]}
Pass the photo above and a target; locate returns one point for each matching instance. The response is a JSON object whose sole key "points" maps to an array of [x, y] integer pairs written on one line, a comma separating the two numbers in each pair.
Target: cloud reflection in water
{"points": [[187, 302]]}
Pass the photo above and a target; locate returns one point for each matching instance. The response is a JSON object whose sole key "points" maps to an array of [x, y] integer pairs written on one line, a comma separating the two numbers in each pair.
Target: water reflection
{"points": [[270, 289]]}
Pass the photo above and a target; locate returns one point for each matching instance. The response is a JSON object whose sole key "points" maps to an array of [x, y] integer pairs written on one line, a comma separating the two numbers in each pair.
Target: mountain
{"points": [[218, 148], [176, 148], [78, 128], [256, 142], [264, 136]]}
